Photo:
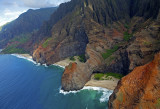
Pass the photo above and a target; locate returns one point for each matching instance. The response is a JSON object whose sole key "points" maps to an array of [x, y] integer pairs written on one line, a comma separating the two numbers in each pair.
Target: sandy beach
{"points": [[108, 84], [62, 63], [26, 55]]}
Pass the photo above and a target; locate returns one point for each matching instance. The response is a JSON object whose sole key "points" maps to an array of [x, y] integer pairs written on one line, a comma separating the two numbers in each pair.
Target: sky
{"points": [[11, 9]]}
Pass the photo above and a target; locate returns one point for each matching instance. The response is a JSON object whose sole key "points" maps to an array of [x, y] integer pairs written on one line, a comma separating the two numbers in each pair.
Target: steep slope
{"points": [[115, 36], [69, 36], [26, 23], [140, 89]]}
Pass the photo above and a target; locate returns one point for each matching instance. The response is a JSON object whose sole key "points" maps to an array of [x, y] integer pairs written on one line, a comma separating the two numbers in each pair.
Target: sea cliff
{"points": [[140, 89], [112, 36]]}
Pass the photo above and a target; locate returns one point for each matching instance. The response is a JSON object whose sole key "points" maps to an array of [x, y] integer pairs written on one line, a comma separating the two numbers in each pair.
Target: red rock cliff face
{"points": [[140, 89]]}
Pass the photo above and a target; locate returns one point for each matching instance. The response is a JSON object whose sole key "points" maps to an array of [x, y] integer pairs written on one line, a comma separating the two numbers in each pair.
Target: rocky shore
{"points": [[108, 84]]}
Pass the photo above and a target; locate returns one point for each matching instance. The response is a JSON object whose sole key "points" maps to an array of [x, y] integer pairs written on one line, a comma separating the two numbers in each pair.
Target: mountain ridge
{"points": [[27, 22]]}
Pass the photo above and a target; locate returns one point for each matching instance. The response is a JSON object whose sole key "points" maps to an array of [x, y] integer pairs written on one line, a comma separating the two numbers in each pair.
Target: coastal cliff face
{"points": [[140, 89], [111, 50], [81, 25], [115, 36]]}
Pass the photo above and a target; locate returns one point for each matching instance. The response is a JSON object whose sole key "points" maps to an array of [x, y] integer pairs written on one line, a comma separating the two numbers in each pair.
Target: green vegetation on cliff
{"points": [[109, 52], [12, 49], [45, 44], [72, 58], [21, 39], [82, 58], [99, 76], [105, 76], [127, 36], [16, 43], [158, 103]]}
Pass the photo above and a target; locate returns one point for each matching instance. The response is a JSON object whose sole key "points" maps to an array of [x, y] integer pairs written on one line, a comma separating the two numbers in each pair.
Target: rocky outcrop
{"points": [[72, 79], [76, 75], [140, 89]]}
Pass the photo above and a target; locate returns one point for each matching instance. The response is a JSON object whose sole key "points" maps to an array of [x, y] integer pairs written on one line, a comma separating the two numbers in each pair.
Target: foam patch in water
{"points": [[106, 92], [65, 92], [105, 96]]}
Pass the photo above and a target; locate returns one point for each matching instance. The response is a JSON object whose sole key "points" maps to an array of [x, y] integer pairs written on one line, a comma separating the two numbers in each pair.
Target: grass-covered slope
{"points": [[17, 44]]}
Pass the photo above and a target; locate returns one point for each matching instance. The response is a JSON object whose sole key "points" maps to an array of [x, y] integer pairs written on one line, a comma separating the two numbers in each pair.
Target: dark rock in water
{"points": [[140, 89], [72, 79]]}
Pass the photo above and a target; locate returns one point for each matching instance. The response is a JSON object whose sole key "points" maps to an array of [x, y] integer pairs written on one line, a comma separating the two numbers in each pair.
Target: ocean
{"points": [[27, 85]]}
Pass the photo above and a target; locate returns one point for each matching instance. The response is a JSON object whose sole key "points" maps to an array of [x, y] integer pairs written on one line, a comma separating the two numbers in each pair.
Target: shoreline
{"points": [[29, 57], [26, 55], [107, 84]]}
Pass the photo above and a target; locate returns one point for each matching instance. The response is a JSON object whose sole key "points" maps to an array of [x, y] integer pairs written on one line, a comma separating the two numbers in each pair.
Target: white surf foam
{"points": [[44, 65], [38, 64], [31, 60], [70, 92], [59, 66], [20, 56], [103, 98]]}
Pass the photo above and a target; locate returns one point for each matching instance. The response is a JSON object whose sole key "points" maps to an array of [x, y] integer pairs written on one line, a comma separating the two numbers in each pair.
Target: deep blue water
{"points": [[25, 85]]}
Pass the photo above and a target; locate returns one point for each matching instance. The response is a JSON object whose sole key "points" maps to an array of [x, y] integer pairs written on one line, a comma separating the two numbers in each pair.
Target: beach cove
{"points": [[108, 84], [31, 85]]}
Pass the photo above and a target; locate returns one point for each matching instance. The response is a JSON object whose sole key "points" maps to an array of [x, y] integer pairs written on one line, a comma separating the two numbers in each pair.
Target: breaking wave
{"points": [[105, 92]]}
